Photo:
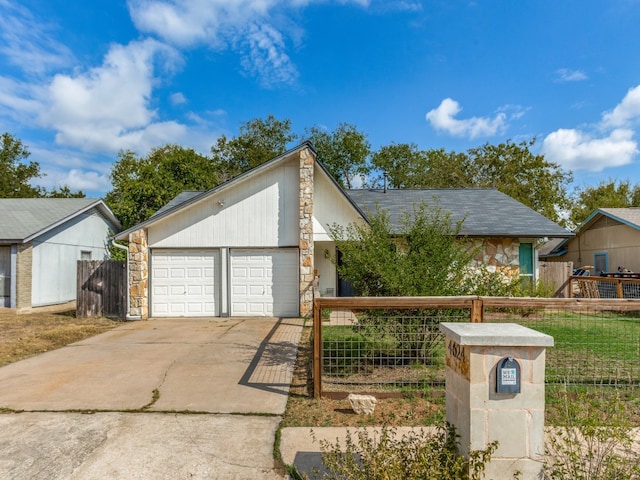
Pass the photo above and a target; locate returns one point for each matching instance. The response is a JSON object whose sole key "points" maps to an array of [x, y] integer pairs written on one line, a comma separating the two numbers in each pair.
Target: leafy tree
{"points": [[344, 152], [15, 172], [65, 192], [258, 141], [408, 167], [509, 167], [142, 185], [607, 194], [516, 171]]}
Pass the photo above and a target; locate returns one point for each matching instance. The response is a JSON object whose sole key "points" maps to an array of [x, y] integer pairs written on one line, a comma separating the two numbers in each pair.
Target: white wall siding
{"points": [[56, 253], [261, 211], [330, 206]]}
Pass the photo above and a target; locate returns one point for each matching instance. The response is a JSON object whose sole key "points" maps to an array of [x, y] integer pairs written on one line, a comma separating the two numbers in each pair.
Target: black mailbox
{"points": [[508, 376]]}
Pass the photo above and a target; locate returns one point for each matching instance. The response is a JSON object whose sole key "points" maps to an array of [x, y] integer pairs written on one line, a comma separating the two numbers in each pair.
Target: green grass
{"points": [[589, 348], [600, 348]]}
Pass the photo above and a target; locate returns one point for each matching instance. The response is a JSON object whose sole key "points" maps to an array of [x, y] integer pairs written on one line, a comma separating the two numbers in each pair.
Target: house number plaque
{"points": [[458, 358]]}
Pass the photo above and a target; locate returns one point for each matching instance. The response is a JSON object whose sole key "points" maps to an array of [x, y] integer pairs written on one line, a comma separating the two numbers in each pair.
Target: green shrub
{"points": [[384, 455], [592, 440]]}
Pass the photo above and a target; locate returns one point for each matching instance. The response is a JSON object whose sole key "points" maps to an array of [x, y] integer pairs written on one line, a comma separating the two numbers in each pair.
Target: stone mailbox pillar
{"points": [[495, 391]]}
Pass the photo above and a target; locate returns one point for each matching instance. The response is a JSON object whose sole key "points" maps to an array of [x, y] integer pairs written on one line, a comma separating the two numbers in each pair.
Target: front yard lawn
{"points": [[26, 335]]}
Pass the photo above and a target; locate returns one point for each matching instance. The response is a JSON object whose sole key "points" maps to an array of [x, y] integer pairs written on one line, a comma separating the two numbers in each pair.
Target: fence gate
{"points": [[558, 276], [102, 289]]}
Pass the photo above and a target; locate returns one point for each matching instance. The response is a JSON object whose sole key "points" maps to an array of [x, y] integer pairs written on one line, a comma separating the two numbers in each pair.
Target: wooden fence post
{"points": [[317, 349], [477, 311]]}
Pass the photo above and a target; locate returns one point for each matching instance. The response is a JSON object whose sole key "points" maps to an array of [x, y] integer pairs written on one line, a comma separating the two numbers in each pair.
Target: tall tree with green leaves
{"points": [[15, 171], [607, 194], [142, 185], [344, 152], [258, 141], [511, 168], [527, 177], [408, 167], [64, 192]]}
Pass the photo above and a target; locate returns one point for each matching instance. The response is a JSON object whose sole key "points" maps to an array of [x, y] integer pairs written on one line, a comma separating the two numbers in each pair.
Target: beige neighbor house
{"points": [[41, 241], [252, 246], [608, 239]]}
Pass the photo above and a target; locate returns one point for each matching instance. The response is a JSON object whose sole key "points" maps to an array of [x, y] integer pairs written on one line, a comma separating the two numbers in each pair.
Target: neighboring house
{"points": [[253, 245], [608, 239], [41, 241]]}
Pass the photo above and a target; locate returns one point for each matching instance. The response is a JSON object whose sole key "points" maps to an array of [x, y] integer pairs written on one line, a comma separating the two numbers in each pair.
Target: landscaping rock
{"points": [[362, 404]]}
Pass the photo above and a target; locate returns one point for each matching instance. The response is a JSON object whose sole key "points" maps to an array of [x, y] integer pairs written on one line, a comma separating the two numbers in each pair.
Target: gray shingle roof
{"points": [[486, 212], [178, 199], [22, 218]]}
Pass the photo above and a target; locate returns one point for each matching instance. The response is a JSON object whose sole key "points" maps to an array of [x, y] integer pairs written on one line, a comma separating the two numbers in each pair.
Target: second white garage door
{"points": [[264, 282]]}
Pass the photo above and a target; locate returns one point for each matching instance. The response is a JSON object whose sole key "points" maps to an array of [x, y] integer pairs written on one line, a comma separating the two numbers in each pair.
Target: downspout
{"points": [[126, 250]]}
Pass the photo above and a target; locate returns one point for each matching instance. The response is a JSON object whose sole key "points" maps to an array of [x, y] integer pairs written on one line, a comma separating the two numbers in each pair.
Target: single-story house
{"points": [[255, 244], [609, 238], [41, 241]]}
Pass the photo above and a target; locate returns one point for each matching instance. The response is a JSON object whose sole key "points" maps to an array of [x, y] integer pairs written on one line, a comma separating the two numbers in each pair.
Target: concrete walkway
{"points": [[161, 399]]}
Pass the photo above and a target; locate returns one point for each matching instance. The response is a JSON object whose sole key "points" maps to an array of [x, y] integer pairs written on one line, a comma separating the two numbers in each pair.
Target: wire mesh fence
{"points": [[396, 348], [613, 286]]}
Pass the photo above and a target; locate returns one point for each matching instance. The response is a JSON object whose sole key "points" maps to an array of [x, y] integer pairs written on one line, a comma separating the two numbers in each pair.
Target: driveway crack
{"points": [[155, 394]]}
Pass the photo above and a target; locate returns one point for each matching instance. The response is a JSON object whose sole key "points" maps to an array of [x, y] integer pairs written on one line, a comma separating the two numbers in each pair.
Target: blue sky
{"points": [[81, 80]]}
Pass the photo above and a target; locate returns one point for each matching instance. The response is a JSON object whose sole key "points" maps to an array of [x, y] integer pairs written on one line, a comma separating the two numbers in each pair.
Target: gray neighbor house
{"points": [[253, 245], [41, 241]]}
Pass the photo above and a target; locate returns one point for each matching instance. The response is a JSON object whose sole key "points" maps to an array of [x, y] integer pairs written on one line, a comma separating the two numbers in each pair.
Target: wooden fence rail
{"points": [[102, 289]]}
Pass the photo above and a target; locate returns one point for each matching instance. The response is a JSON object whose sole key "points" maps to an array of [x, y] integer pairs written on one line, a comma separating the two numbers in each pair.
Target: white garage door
{"points": [[183, 283], [264, 283]]}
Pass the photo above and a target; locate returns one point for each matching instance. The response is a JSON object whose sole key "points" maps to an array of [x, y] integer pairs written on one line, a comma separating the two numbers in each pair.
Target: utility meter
{"points": [[508, 376]]}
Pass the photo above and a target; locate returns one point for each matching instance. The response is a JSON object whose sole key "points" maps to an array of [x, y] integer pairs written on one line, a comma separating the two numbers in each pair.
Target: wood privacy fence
{"points": [[102, 289], [557, 275]]}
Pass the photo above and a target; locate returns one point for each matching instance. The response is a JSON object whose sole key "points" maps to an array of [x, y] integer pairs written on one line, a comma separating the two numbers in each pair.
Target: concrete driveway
{"points": [[170, 398]]}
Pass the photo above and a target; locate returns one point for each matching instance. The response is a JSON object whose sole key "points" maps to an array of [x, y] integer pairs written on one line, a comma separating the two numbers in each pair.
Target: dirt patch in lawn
{"points": [[26, 335], [305, 411]]}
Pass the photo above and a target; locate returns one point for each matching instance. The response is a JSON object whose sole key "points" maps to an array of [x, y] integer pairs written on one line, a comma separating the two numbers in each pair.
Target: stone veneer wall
{"points": [[138, 274], [498, 254], [24, 273], [306, 232]]}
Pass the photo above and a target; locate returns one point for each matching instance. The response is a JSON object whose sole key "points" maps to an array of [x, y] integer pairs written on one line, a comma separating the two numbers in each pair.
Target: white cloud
{"points": [[626, 111], [576, 150], [609, 143], [178, 98], [566, 75], [249, 27], [266, 56], [107, 108], [443, 118], [26, 43]]}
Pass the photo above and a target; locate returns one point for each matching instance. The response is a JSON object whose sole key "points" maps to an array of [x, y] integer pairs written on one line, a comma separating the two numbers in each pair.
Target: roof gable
{"points": [[23, 219], [484, 212], [628, 216], [188, 198]]}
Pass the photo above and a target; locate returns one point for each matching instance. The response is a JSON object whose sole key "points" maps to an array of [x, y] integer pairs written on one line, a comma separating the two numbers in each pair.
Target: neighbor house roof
{"points": [[484, 212], [22, 219], [628, 216]]}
